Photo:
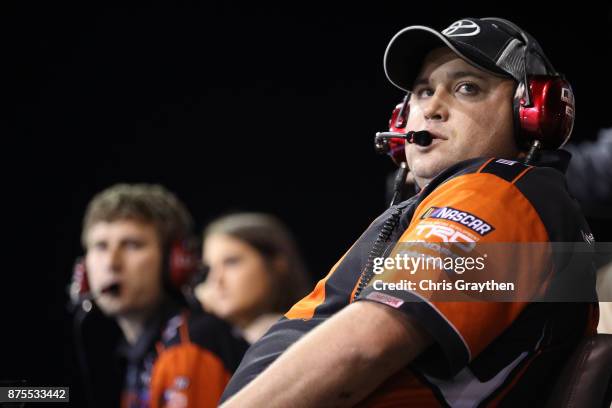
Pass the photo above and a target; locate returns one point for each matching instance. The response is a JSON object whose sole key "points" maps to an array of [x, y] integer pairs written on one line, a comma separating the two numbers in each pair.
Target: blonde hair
{"points": [[151, 203]]}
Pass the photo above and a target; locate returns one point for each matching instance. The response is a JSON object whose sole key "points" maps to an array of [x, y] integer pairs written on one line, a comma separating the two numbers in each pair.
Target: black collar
{"points": [[556, 159], [151, 333]]}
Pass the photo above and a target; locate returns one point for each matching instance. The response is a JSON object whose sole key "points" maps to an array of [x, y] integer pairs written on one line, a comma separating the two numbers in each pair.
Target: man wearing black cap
{"points": [[447, 336]]}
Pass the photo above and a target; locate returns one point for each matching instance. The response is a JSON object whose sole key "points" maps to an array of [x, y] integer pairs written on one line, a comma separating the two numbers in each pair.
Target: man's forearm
{"points": [[340, 362]]}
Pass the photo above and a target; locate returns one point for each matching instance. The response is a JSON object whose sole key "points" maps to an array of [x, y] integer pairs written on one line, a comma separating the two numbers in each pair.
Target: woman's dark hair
{"points": [[269, 236]]}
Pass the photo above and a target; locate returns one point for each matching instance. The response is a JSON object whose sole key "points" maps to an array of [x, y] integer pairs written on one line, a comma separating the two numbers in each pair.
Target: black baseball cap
{"points": [[491, 44]]}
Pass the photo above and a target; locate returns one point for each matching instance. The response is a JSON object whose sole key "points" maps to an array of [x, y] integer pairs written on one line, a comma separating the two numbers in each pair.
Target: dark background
{"points": [[233, 106]]}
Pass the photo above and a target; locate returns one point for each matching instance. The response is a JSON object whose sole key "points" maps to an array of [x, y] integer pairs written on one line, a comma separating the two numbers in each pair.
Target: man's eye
{"points": [[100, 246], [424, 92], [134, 244], [232, 260], [468, 89]]}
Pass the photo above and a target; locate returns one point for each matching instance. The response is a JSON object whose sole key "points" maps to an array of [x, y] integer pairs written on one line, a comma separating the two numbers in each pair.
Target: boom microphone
{"points": [[421, 138]]}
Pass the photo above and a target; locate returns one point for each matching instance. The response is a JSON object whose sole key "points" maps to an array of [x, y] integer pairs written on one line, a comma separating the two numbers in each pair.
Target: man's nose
{"points": [[435, 108], [217, 277], [114, 259]]}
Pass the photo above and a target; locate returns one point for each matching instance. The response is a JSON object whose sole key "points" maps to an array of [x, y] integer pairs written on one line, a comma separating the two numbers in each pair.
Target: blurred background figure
{"points": [[138, 259], [255, 272], [589, 175], [589, 178]]}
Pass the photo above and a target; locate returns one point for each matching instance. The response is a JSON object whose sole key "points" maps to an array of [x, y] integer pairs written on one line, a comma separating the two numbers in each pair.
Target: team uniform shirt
{"points": [[484, 352], [182, 359]]}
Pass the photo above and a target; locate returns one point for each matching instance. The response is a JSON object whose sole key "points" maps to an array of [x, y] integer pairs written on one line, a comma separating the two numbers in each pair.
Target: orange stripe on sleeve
{"points": [[305, 308]]}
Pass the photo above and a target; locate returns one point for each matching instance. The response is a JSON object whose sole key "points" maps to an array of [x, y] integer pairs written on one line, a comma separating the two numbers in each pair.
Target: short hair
{"points": [[269, 236], [149, 203]]}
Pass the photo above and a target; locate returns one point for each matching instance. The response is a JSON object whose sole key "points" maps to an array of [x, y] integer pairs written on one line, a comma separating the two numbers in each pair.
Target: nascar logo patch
{"points": [[464, 218]]}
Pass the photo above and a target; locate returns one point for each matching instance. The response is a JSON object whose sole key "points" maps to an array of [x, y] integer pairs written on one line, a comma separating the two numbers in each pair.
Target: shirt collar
{"points": [[556, 159], [151, 333]]}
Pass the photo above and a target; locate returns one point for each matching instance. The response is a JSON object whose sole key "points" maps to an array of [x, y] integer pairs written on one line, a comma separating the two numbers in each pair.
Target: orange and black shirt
{"points": [[182, 359], [487, 351]]}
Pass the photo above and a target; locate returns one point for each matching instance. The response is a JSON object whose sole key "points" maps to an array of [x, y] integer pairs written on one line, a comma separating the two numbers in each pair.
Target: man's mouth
{"points": [[435, 135], [114, 289], [436, 138]]}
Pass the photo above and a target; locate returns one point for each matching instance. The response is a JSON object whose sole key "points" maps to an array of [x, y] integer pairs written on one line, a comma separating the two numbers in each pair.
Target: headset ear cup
{"points": [[550, 118], [79, 286], [566, 109], [182, 264], [399, 117], [397, 123]]}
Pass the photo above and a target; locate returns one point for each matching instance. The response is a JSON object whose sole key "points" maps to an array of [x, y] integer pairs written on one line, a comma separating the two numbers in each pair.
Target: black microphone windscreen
{"points": [[422, 138]]}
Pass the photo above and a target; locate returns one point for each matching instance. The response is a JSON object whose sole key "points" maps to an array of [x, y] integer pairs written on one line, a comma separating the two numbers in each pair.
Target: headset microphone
{"points": [[81, 295], [421, 138], [388, 143]]}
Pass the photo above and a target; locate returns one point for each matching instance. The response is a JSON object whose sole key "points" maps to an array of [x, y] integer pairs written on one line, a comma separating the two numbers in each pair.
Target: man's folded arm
{"points": [[340, 362]]}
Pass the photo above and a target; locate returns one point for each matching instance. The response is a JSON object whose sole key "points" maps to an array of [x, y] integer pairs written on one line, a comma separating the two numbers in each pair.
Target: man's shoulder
{"points": [[206, 328], [503, 184], [201, 328], [508, 171], [202, 323], [207, 332], [217, 336], [531, 181], [547, 191]]}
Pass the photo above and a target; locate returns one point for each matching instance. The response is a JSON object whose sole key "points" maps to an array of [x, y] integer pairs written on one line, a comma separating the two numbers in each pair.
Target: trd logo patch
{"points": [[464, 218]]}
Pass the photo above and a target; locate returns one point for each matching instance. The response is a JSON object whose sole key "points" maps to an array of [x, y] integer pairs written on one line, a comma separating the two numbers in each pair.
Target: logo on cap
{"points": [[462, 28]]}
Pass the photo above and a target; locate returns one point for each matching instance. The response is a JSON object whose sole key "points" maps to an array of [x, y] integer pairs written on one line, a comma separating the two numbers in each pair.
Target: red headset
{"points": [[180, 266], [543, 113]]}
